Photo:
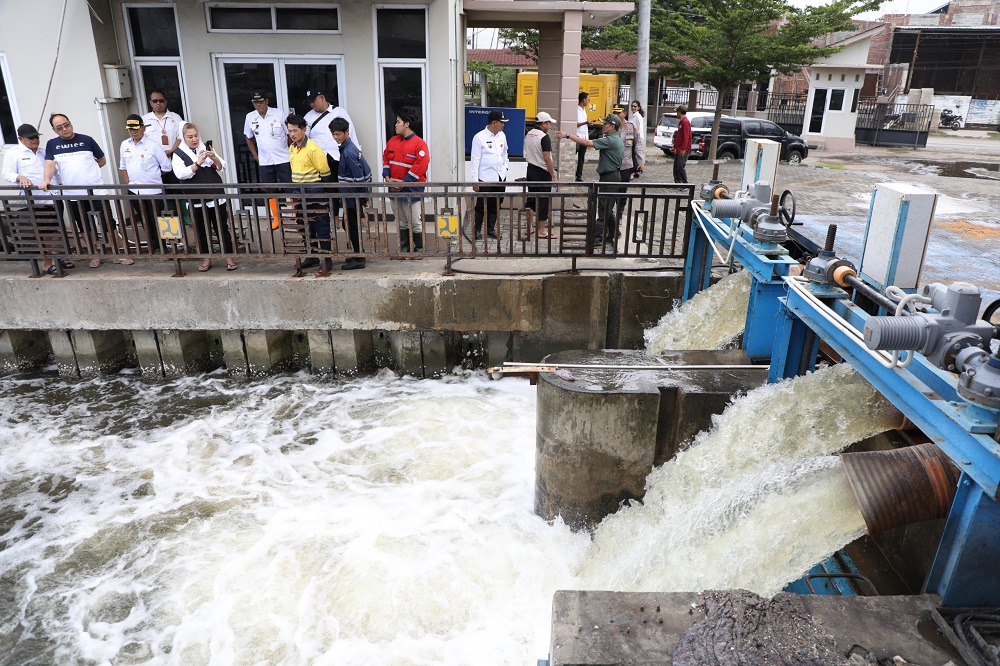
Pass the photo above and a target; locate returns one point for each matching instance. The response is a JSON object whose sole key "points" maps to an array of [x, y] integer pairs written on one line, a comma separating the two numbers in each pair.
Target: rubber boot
{"points": [[418, 242], [404, 240]]}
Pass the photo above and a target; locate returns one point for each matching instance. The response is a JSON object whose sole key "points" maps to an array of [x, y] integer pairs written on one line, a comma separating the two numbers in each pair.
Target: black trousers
{"points": [[144, 212], [581, 153], [491, 204], [606, 207], [353, 227], [209, 218], [622, 203], [680, 168]]}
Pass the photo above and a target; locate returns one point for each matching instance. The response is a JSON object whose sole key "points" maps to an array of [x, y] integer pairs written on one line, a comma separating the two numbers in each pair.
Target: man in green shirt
{"points": [[610, 149]]}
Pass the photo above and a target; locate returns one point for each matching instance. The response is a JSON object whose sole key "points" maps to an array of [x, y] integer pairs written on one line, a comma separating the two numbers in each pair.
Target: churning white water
{"points": [[378, 521], [713, 319]]}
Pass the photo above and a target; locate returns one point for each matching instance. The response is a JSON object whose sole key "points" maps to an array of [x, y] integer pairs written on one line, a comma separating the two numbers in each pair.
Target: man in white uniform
{"points": [[165, 126], [267, 139], [318, 129], [582, 131], [489, 165], [24, 165], [143, 162]]}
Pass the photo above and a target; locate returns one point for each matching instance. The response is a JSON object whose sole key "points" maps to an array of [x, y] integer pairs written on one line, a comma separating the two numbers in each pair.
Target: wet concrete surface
{"points": [[835, 187]]}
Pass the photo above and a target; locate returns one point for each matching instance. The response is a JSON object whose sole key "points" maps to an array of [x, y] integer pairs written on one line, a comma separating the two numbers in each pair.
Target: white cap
{"points": [[543, 117]]}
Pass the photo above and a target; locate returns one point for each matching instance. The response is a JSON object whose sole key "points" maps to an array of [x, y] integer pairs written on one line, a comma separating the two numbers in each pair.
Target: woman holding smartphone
{"points": [[197, 167]]}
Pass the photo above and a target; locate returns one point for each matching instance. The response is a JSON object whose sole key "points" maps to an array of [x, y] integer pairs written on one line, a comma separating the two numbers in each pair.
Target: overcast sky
{"points": [[890, 7]]}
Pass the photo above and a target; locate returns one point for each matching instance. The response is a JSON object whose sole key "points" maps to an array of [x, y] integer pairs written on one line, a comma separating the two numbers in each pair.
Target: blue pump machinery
{"points": [[941, 372]]}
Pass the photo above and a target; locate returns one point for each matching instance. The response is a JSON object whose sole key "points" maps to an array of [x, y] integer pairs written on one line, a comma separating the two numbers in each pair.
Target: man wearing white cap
{"points": [[538, 153], [143, 162], [489, 165]]}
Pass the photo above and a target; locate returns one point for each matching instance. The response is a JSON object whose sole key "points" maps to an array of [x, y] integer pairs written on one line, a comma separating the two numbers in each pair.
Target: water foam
{"points": [[713, 319], [754, 502], [379, 521]]}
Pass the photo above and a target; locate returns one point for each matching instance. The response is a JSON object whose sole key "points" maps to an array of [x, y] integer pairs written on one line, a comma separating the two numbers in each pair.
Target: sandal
{"points": [[67, 264], [94, 263], [125, 261], [202, 268], [231, 267], [51, 270], [545, 234]]}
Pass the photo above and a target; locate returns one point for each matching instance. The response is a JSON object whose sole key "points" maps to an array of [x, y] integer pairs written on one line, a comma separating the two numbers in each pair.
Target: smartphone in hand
{"points": [[208, 145]]}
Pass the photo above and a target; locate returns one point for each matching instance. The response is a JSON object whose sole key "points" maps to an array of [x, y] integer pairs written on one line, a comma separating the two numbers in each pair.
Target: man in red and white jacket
{"points": [[405, 160]]}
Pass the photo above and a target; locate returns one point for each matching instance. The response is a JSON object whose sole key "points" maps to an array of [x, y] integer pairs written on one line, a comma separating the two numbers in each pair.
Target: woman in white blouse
{"points": [[197, 168], [638, 118]]}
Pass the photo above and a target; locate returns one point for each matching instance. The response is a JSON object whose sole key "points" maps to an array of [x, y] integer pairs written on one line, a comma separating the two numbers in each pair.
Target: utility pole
{"points": [[641, 86]]}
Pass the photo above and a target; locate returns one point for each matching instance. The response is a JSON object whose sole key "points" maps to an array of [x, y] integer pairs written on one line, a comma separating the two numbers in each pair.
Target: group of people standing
{"points": [[622, 157], [300, 151]]}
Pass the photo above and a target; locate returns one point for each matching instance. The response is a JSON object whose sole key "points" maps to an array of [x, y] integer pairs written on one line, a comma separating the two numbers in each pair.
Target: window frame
{"points": [[273, 7], [139, 61], [422, 63], [9, 88], [843, 99]]}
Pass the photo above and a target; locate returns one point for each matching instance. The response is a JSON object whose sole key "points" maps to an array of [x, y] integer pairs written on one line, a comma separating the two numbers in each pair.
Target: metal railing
{"points": [[112, 223], [887, 124]]}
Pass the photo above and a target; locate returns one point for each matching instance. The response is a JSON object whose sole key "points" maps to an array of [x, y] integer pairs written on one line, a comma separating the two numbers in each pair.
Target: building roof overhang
{"points": [[530, 13]]}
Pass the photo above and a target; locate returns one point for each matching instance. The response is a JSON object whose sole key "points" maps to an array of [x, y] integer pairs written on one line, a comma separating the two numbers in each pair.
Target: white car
{"points": [[663, 138]]}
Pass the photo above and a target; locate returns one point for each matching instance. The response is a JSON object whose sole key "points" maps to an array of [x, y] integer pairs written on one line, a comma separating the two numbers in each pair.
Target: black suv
{"points": [[733, 135]]}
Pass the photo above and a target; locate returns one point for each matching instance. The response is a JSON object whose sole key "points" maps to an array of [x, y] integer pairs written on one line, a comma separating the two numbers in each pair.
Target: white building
{"points": [[68, 56]]}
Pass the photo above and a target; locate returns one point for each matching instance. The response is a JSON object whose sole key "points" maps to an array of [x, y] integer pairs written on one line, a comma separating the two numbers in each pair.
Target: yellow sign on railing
{"points": [[170, 227], [447, 226]]}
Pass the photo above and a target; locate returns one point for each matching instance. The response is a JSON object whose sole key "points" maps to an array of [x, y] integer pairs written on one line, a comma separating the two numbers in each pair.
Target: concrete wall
{"points": [[36, 53], [422, 324]]}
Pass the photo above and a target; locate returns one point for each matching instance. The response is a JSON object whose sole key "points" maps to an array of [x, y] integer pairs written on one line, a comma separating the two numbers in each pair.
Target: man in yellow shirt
{"points": [[310, 168]]}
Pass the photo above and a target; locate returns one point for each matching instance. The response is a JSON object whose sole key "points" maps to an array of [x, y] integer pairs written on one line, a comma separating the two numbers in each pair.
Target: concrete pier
{"points": [[404, 316], [600, 431]]}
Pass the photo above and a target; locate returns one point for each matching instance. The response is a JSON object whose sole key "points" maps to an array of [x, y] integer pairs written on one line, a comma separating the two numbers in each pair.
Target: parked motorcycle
{"points": [[950, 119]]}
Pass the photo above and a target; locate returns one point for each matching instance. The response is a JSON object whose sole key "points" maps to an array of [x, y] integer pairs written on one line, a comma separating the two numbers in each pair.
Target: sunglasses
{"points": [[62, 127], [157, 101]]}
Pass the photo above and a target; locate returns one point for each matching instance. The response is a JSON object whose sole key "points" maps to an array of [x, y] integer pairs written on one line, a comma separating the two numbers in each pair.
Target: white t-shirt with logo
{"points": [[270, 134]]}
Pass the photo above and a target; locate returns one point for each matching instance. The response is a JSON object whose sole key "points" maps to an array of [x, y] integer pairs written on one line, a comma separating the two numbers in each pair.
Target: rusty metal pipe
{"points": [[901, 486]]}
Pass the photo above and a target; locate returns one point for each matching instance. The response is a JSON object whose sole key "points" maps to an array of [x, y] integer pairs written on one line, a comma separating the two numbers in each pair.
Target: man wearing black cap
{"points": [[489, 165], [24, 165], [267, 139], [609, 163], [318, 120], [143, 162]]}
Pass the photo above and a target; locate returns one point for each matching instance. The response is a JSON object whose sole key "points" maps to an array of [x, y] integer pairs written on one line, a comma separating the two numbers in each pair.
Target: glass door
{"points": [[285, 80], [402, 85]]}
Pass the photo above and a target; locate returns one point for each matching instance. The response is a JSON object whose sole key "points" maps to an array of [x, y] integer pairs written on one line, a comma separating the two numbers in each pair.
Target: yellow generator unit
{"points": [[602, 88]]}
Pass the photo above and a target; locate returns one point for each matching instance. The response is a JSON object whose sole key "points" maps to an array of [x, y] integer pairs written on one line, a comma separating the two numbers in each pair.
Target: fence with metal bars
{"points": [[584, 220]]}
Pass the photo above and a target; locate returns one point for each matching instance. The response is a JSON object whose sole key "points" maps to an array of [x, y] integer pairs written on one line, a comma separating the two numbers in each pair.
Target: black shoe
{"points": [[310, 262], [492, 233], [352, 264], [578, 180], [479, 235]]}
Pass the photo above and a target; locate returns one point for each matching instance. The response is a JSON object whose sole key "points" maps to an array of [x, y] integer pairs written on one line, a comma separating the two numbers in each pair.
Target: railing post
{"points": [[591, 217]]}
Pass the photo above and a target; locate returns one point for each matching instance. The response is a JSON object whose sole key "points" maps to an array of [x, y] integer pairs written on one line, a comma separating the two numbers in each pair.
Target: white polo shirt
{"points": [[270, 134], [321, 134], [144, 162], [163, 131], [489, 156], [22, 161], [583, 131]]}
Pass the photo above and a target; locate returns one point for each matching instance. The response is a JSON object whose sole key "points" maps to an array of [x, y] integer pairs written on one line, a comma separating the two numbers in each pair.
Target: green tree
{"points": [[525, 40], [723, 43]]}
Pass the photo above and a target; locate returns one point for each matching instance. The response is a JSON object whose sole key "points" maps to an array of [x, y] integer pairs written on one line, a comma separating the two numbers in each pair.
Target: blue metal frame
{"points": [[970, 548], [768, 264]]}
